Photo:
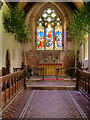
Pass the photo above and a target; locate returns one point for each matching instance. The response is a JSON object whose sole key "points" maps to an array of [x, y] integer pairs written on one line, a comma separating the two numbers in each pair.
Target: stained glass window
{"points": [[49, 10], [44, 15], [58, 37], [53, 15], [49, 19], [40, 37], [51, 39]]}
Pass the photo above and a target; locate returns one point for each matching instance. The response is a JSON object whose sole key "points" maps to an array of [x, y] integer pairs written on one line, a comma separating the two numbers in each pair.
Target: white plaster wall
{"points": [[89, 52], [84, 61], [86, 49], [0, 39], [8, 42], [81, 54], [27, 47]]}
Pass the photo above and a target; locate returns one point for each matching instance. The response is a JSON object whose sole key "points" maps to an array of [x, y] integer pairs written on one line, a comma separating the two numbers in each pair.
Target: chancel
{"points": [[45, 60]]}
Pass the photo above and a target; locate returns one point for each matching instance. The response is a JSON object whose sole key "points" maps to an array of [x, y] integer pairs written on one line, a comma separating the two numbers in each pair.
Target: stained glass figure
{"points": [[49, 37], [58, 37], [40, 37]]}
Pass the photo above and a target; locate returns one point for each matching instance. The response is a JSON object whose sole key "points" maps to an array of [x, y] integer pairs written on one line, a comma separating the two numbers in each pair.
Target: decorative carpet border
{"points": [[81, 112], [23, 112], [10, 102], [42, 119], [15, 108]]}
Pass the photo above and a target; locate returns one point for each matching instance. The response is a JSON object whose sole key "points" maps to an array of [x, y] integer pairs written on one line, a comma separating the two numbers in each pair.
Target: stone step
{"points": [[50, 78], [40, 80], [52, 83], [44, 87]]}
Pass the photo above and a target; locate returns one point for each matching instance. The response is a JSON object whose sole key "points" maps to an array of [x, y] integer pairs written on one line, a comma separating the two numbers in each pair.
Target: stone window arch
{"points": [[62, 10]]}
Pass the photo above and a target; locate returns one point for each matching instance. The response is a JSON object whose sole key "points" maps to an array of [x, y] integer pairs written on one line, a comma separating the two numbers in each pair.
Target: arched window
{"points": [[49, 31]]}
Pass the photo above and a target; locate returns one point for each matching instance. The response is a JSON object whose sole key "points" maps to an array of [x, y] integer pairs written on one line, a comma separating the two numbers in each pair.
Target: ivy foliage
{"points": [[14, 23], [80, 25]]}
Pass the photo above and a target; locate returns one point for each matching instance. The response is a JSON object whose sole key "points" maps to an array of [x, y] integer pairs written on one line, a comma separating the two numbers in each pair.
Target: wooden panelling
{"points": [[11, 85], [83, 81]]}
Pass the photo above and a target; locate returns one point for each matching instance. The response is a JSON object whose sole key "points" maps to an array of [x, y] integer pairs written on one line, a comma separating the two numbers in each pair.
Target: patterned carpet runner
{"points": [[47, 104]]}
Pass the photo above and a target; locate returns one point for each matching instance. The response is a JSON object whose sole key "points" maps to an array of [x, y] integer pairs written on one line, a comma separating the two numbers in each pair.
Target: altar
{"points": [[50, 68]]}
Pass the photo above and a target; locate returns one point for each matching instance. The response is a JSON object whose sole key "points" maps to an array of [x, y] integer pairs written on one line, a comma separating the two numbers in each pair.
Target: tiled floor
{"points": [[14, 110], [82, 101], [48, 104]]}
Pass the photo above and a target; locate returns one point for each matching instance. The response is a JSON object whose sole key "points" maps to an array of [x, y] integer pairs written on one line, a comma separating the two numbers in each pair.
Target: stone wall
{"points": [[33, 58]]}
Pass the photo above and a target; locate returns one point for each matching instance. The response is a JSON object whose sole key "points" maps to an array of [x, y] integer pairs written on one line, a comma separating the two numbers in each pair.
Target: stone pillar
{"points": [[64, 36], [64, 39], [34, 35], [89, 52]]}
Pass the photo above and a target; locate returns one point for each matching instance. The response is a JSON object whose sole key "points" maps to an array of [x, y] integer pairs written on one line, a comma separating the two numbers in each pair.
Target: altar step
{"points": [[66, 84], [43, 87]]}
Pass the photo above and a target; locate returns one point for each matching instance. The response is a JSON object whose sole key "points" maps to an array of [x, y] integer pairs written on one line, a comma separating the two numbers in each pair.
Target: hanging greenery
{"points": [[79, 26], [14, 23]]}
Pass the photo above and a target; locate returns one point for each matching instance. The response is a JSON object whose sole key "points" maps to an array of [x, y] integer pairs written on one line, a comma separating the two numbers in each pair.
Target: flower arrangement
{"points": [[46, 60], [54, 60]]}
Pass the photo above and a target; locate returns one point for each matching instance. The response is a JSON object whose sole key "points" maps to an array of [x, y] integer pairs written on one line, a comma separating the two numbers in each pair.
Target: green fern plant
{"points": [[80, 25], [14, 23]]}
